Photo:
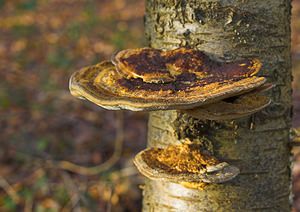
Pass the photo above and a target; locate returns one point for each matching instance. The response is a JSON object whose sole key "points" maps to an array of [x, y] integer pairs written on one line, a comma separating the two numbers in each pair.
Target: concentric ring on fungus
{"points": [[190, 87]]}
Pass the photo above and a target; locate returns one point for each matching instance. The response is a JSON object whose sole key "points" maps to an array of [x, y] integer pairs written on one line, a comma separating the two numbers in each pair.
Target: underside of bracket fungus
{"points": [[151, 79], [184, 163], [233, 107]]}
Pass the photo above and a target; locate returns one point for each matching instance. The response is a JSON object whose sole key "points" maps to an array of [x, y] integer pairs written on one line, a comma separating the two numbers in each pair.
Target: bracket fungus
{"points": [[149, 79], [234, 107], [183, 163]]}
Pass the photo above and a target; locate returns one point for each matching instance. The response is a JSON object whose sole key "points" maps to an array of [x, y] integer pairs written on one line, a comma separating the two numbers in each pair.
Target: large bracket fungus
{"points": [[184, 79], [150, 79]]}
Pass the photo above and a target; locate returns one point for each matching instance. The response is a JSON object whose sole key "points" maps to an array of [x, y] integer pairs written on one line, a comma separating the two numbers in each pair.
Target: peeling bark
{"points": [[258, 145]]}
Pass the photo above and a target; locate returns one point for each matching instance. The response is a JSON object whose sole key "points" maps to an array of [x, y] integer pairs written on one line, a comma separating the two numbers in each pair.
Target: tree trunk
{"points": [[258, 145]]}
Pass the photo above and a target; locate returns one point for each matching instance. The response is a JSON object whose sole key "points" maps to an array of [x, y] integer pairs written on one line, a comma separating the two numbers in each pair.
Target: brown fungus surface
{"points": [[183, 163], [154, 66], [231, 108], [190, 87]]}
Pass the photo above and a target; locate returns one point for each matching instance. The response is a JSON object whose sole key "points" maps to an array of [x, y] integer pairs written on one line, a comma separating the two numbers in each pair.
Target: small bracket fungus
{"points": [[234, 107], [151, 79], [183, 163]]}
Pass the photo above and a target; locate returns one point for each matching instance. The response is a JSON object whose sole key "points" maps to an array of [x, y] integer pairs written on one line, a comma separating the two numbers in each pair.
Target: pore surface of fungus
{"points": [[151, 79], [183, 163], [231, 108], [234, 107]]}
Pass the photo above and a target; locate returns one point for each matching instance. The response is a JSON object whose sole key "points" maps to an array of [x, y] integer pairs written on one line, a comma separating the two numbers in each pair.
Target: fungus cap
{"points": [[157, 66], [103, 85], [183, 163]]}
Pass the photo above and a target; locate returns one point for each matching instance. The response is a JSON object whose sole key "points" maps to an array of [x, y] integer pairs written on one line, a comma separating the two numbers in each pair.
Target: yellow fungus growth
{"points": [[184, 158], [255, 67], [184, 163], [193, 185]]}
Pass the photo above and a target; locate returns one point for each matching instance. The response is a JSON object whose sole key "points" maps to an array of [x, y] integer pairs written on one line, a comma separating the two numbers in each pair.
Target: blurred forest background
{"points": [[43, 128]]}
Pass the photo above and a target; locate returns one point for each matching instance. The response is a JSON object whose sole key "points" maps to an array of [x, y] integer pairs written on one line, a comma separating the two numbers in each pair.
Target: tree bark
{"points": [[258, 145]]}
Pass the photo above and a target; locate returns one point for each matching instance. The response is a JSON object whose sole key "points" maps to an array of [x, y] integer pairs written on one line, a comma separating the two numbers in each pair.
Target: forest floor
{"points": [[42, 126]]}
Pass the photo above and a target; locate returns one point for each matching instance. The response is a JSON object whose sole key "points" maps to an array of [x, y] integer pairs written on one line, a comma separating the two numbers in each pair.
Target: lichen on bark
{"points": [[228, 30]]}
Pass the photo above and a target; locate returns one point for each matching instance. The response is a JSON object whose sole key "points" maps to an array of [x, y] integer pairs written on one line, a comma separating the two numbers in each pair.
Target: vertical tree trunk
{"points": [[258, 145]]}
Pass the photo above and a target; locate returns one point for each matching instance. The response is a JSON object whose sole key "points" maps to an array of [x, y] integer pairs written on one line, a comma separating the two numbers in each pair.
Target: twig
{"points": [[74, 194], [66, 165], [9, 190], [28, 205], [108, 206]]}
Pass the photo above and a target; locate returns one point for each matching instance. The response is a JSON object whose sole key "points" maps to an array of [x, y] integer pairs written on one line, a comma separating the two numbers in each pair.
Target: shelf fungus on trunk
{"points": [[233, 107], [185, 164], [152, 79]]}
